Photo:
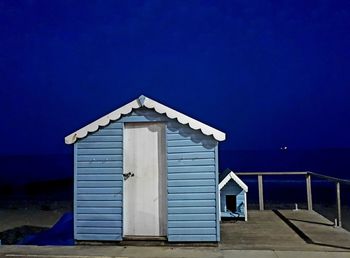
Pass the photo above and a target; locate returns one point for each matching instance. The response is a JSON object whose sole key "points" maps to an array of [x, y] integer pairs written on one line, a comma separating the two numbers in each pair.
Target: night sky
{"points": [[268, 73]]}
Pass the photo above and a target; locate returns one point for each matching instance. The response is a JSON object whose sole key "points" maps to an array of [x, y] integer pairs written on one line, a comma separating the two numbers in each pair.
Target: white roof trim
{"points": [[143, 101], [235, 178]]}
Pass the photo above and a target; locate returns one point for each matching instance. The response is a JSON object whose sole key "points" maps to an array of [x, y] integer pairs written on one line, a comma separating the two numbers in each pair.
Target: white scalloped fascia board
{"points": [[143, 101]]}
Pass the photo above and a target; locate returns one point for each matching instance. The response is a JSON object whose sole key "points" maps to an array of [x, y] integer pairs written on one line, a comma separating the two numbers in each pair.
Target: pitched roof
{"points": [[231, 175], [143, 101]]}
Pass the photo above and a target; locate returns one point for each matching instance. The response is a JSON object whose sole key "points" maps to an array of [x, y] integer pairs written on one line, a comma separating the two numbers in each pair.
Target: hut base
{"points": [[148, 242]]}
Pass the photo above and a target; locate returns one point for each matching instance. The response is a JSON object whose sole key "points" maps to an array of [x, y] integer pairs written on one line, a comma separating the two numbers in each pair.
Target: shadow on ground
{"points": [[300, 230], [303, 235]]}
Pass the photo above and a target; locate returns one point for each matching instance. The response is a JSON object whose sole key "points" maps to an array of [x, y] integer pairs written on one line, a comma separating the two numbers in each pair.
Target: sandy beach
{"points": [[23, 218]]}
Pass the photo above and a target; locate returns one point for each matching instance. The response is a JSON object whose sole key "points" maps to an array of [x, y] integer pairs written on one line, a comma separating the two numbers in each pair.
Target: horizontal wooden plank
{"points": [[189, 149], [191, 217], [98, 204], [208, 144], [99, 217], [82, 171], [100, 157], [99, 237], [175, 127], [99, 145], [99, 210], [188, 189], [191, 162], [191, 203], [108, 132], [192, 231], [130, 119], [185, 131], [114, 125], [98, 230], [174, 136], [102, 203], [111, 151], [196, 182], [100, 177], [192, 238], [99, 197], [192, 196], [191, 210], [182, 142], [103, 190], [110, 138], [191, 224], [100, 164], [190, 169], [190, 155], [117, 183], [88, 223], [189, 175]]}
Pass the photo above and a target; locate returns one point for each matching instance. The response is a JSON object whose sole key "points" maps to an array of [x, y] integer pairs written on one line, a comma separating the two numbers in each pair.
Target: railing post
{"points": [[338, 205], [309, 192], [261, 192]]}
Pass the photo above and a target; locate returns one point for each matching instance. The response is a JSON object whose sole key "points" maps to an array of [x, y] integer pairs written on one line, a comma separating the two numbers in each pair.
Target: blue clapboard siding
{"points": [[98, 197], [232, 188], [192, 182], [192, 201], [99, 182]]}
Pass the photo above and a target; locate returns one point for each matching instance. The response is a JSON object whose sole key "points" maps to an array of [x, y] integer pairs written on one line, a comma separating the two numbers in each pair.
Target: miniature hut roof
{"points": [[143, 101], [231, 175]]}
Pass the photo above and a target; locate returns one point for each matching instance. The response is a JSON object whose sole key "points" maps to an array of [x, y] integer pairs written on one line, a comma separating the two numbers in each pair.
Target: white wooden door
{"points": [[144, 180]]}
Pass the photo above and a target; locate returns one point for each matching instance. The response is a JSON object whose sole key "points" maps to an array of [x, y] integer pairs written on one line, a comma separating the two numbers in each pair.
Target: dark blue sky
{"points": [[268, 73]]}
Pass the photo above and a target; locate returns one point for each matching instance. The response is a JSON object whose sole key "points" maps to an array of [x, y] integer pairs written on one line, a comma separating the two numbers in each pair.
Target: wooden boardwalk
{"points": [[284, 230]]}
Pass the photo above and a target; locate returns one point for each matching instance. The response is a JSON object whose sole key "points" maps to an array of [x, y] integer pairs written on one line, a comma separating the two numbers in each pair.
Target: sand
{"points": [[25, 218]]}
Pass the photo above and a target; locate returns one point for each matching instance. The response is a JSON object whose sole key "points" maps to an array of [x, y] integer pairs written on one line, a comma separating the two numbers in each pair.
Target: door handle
{"points": [[127, 175]]}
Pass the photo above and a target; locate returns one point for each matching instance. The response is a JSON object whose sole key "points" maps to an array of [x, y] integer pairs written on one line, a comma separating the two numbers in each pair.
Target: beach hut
{"points": [[146, 171], [233, 196]]}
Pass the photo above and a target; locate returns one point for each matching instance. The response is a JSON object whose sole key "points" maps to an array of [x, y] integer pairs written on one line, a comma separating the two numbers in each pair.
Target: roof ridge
{"points": [[231, 175]]}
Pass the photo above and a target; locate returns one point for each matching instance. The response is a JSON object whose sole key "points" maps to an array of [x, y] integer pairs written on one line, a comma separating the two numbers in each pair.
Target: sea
{"points": [[43, 177]]}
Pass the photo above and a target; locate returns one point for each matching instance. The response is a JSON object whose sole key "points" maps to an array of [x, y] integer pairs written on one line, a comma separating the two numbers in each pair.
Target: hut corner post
{"points": [[309, 192], [261, 192], [339, 222]]}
